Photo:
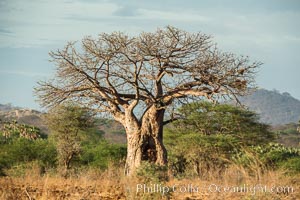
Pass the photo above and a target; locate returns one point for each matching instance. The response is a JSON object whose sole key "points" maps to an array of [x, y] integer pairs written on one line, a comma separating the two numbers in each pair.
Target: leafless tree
{"points": [[135, 79]]}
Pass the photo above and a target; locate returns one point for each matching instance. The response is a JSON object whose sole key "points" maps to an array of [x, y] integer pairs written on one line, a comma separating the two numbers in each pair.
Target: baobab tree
{"points": [[136, 78]]}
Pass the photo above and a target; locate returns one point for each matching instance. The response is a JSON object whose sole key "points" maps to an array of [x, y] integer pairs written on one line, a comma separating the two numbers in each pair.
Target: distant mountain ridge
{"points": [[274, 108]]}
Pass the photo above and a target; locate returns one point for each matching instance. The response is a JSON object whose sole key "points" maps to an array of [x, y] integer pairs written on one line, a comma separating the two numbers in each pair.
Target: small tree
{"points": [[208, 136], [65, 122], [135, 79]]}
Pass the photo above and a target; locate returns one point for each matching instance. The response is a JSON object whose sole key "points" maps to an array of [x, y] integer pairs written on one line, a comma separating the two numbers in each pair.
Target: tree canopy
{"points": [[66, 122], [210, 119], [115, 71]]}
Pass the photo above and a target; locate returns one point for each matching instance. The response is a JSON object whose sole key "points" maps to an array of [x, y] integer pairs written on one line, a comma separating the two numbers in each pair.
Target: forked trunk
{"points": [[146, 144]]}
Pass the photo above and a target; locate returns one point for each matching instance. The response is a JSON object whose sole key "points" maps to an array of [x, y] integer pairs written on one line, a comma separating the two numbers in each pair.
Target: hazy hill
{"points": [[113, 131], [22, 115], [274, 108]]}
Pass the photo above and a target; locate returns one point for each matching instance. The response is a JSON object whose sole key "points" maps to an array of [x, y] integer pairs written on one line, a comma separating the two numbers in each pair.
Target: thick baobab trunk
{"points": [[146, 144]]}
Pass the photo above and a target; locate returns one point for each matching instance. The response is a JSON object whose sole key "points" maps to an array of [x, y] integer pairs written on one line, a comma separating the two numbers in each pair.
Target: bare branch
{"points": [[117, 73]]}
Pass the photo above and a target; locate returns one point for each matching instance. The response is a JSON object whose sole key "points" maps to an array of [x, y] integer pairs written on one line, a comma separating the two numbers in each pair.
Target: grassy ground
{"points": [[91, 185]]}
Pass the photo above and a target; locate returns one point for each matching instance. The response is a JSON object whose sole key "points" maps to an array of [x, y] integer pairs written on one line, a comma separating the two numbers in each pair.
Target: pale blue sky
{"points": [[266, 30]]}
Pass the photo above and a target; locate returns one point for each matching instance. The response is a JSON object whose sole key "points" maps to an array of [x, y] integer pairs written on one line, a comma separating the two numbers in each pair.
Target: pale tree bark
{"points": [[136, 80], [146, 144]]}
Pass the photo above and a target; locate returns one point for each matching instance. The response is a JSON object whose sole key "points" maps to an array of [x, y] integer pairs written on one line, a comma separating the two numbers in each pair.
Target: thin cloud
{"points": [[5, 31], [24, 73], [292, 38], [126, 11], [174, 16]]}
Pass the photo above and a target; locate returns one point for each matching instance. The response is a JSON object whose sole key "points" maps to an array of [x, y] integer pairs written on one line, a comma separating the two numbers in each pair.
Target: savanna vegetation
{"points": [[164, 89], [210, 143]]}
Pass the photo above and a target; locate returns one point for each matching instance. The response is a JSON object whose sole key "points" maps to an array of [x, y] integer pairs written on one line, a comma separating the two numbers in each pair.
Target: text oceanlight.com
{"points": [[212, 188]]}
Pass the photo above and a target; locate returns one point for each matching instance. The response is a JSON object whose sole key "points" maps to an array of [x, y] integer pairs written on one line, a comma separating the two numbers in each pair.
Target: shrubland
{"points": [[211, 144]]}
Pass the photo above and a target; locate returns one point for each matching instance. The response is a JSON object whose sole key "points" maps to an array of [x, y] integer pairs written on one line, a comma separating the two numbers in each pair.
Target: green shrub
{"points": [[273, 154], [22, 150], [210, 137], [194, 154], [151, 173], [291, 164], [99, 155]]}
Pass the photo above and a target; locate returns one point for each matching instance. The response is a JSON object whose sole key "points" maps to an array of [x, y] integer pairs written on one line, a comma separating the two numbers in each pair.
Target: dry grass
{"points": [[113, 185], [89, 185], [225, 187]]}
